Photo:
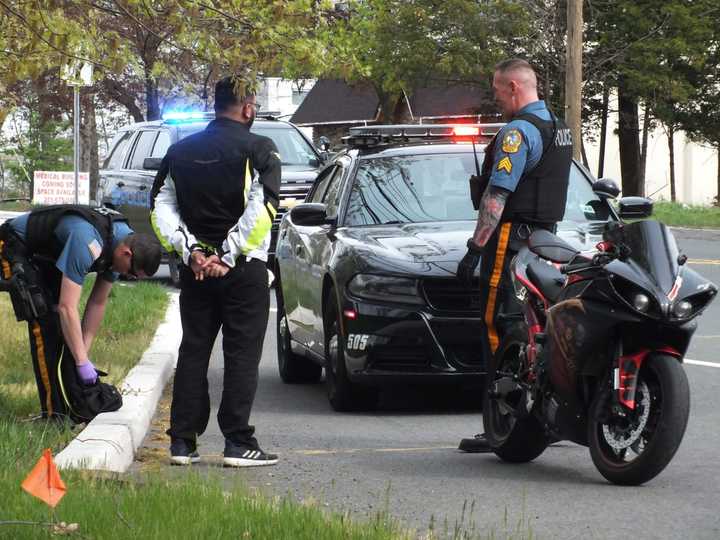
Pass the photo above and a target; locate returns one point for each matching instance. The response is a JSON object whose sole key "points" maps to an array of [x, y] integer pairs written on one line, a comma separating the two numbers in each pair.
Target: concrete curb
{"points": [[110, 440]]}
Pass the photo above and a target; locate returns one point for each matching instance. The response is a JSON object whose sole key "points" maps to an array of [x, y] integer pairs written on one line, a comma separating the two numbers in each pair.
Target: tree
{"points": [[400, 45], [643, 46]]}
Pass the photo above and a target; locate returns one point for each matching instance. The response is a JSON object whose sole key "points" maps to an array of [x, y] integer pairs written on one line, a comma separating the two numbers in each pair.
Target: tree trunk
{"points": [[643, 149], [628, 137], [717, 198], [89, 141], [671, 148], [117, 92], [151, 96], [388, 104], [603, 130]]}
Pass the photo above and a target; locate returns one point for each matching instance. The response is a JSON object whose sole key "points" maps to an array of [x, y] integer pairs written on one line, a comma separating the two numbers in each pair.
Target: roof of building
{"points": [[333, 101]]}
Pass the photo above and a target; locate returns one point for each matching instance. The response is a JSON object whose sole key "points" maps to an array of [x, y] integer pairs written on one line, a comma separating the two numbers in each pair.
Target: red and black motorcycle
{"points": [[596, 357]]}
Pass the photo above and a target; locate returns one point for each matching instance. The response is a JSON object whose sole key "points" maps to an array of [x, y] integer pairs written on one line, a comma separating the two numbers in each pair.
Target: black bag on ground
{"points": [[85, 402]]}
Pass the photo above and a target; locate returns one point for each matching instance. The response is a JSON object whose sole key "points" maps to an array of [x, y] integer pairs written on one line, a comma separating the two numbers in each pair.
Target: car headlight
{"points": [[385, 289]]}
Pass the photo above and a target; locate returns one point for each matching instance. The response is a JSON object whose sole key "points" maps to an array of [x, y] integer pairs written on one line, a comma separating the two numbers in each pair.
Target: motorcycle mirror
{"points": [[606, 188]]}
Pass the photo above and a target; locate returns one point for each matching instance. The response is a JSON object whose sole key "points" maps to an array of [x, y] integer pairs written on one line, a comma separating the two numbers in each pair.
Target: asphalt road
{"points": [[403, 458]]}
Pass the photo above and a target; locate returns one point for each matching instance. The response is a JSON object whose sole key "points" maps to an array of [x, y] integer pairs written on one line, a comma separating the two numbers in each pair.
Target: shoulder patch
{"points": [[277, 155], [505, 165], [511, 141], [95, 249]]}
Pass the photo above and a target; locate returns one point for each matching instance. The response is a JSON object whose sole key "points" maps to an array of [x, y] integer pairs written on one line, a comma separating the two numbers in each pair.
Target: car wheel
{"points": [[292, 367], [342, 394], [174, 268]]}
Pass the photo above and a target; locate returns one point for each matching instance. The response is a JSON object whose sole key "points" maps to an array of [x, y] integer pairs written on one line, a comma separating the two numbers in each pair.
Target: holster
{"points": [[20, 278]]}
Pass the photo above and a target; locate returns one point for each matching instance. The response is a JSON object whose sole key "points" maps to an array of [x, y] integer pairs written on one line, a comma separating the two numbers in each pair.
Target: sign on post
{"points": [[58, 187]]}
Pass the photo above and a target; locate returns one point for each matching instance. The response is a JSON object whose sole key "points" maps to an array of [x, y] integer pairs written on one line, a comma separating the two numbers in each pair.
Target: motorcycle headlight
{"points": [[385, 289], [682, 309], [641, 302]]}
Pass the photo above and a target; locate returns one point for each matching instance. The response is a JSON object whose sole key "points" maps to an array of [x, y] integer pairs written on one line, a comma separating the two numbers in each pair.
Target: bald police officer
{"points": [[523, 187]]}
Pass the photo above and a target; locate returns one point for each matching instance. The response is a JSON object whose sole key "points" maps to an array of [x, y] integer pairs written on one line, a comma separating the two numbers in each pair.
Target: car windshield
{"points": [[293, 148], [406, 189], [434, 187]]}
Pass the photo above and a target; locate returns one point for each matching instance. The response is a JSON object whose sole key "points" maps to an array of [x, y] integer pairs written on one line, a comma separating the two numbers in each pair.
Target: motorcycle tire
{"points": [[515, 440], [669, 407]]}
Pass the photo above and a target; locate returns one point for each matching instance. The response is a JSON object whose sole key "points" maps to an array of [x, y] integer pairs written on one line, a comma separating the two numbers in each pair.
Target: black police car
{"points": [[366, 266], [127, 174]]}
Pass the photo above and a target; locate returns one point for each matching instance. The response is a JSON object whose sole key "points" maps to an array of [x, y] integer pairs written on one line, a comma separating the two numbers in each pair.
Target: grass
{"points": [[131, 317], [682, 215], [15, 206]]}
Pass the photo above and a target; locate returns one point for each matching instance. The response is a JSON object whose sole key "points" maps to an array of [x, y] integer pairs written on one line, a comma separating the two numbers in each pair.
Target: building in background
{"points": [[334, 106]]}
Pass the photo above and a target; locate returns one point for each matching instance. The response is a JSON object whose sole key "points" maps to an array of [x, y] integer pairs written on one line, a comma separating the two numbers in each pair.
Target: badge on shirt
{"points": [[277, 155], [511, 141], [505, 165], [95, 249]]}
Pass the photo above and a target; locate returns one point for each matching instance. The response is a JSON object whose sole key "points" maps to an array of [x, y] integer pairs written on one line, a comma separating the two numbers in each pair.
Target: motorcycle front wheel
{"points": [[633, 447], [513, 439]]}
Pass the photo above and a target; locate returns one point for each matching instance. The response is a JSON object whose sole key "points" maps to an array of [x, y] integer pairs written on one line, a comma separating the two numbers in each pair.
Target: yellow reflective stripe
{"points": [[62, 386], [258, 233], [42, 365], [248, 181], [156, 229], [7, 273], [494, 282], [271, 209]]}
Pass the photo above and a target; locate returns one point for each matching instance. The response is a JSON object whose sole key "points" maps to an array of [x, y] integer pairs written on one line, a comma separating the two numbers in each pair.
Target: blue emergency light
{"points": [[187, 116]]}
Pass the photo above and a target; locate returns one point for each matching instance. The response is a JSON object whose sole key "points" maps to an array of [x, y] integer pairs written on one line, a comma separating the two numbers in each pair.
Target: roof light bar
{"points": [[187, 116], [367, 136]]}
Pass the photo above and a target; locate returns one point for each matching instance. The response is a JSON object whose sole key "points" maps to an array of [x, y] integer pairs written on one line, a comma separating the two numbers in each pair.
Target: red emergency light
{"points": [[466, 131]]}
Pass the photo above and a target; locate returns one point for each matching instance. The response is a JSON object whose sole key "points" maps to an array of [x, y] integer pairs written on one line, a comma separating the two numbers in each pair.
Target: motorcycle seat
{"points": [[548, 279]]}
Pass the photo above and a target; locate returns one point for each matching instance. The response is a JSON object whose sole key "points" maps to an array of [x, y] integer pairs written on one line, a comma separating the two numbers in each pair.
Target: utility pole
{"points": [[573, 73]]}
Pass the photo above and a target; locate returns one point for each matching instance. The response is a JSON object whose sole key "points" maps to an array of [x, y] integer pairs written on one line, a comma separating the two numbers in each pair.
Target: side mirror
{"points": [[635, 207], [309, 214], [152, 163], [606, 188], [548, 246]]}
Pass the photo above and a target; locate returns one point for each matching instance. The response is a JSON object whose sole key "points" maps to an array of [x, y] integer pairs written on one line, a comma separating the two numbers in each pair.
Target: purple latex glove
{"points": [[86, 372]]}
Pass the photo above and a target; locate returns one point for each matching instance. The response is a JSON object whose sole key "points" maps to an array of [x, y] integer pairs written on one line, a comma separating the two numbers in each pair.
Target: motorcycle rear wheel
{"points": [[630, 451], [516, 440]]}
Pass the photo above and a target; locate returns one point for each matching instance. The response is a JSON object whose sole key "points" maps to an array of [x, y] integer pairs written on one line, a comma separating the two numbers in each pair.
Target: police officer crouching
{"points": [[215, 211], [45, 256], [523, 187]]}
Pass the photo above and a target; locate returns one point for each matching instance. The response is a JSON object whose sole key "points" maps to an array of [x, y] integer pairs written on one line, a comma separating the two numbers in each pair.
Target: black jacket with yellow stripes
{"points": [[213, 172]]}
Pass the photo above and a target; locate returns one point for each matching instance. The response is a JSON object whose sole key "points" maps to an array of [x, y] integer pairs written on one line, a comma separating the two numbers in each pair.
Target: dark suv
{"points": [[127, 175]]}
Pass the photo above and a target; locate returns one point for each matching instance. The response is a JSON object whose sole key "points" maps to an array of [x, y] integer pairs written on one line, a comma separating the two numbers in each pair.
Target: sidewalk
{"points": [[110, 440]]}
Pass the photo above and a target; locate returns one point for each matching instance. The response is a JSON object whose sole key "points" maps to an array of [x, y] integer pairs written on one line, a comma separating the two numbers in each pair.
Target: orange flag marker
{"points": [[44, 481]]}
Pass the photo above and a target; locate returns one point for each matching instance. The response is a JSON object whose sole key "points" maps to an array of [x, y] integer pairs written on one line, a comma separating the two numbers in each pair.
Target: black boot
{"points": [[476, 445]]}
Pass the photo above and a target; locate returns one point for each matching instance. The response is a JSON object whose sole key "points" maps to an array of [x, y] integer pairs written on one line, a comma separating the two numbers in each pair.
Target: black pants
{"points": [[497, 294], [53, 363], [239, 304]]}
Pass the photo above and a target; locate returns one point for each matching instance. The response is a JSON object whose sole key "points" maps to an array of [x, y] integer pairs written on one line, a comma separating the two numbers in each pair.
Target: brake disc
{"points": [[621, 438]]}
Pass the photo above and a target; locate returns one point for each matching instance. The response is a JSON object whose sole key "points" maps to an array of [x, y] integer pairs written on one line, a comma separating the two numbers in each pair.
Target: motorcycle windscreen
{"points": [[653, 251]]}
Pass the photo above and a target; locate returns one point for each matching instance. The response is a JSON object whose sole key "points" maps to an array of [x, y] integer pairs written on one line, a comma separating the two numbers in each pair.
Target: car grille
{"points": [[399, 358], [290, 190], [449, 295]]}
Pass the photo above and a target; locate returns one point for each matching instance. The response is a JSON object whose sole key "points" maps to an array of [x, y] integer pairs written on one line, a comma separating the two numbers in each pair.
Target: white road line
{"points": [[701, 363]]}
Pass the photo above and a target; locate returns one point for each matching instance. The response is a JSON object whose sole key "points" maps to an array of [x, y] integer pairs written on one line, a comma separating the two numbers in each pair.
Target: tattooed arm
{"points": [[491, 209]]}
